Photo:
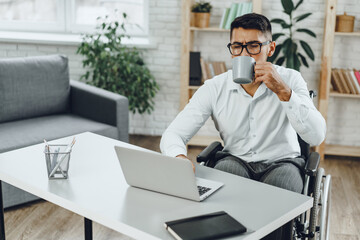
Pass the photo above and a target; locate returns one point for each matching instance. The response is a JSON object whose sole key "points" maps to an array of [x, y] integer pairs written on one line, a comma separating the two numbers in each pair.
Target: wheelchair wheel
{"points": [[314, 213]]}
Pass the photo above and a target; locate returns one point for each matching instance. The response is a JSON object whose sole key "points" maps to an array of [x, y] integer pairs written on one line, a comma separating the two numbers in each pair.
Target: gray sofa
{"points": [[38, 101]]}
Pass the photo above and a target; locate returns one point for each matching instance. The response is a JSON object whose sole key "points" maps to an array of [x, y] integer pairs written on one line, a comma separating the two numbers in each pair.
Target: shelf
{"points": [[354, 34], [203, 141], [344, 95], [209, 29], [340, 150], [194, 87]]}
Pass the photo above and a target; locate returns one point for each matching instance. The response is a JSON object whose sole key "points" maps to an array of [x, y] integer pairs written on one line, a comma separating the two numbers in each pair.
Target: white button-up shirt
{"points": [[253, 128]]}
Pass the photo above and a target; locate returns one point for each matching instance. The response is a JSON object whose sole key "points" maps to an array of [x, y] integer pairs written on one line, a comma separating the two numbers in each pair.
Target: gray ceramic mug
{"points": [[243, 69]]}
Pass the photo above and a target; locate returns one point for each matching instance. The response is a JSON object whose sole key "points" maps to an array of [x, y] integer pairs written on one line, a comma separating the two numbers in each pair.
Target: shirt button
{"points": [[254, 135], [290, 107]]}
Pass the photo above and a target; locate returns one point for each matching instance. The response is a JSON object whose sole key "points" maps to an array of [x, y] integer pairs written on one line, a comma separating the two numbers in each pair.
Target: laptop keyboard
{"points": [[202, 190]]}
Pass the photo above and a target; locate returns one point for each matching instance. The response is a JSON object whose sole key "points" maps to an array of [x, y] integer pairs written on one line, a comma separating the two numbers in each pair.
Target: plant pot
{"points": [[202, 20]]}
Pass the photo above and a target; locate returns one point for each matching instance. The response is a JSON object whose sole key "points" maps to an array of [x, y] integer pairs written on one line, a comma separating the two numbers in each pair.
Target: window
{"points": [[71, 16]]}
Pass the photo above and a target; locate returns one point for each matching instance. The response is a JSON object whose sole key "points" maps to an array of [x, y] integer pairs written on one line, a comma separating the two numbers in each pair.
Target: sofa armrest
{"points": [[100, 105]]}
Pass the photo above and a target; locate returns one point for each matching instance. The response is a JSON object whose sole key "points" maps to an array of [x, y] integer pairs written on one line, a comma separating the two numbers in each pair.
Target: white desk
{"points": [[96, 189]]}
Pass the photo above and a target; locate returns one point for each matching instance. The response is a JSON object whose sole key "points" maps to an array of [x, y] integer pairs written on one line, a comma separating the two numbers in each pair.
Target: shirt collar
{"points": [[231, 85]]}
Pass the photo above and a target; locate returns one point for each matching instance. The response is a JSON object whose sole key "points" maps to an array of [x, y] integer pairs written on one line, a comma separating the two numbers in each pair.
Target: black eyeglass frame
{"points": [[245, 46]]}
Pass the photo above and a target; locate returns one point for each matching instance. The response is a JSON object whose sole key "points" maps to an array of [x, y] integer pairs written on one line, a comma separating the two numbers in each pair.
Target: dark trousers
{"points": [[284, 173]]}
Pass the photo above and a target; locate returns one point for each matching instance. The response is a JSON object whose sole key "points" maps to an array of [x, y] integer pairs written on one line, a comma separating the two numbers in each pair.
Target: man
{"points": [[258, 122]]}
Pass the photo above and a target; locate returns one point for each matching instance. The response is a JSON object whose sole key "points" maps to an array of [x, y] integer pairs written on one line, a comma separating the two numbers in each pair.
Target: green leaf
{"points": [[276, 36], [303, 59], [307, 49], [117, 67], [302, 17], [280, 61], [297, 62], [276, 53], [288, 6], [286, 49], [278, 20], [285, 25], [311, 33], [298, 4], [290, 61]]}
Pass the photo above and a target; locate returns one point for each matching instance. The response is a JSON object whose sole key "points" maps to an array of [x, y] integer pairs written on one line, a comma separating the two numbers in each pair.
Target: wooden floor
{"points": [[43, 220]]}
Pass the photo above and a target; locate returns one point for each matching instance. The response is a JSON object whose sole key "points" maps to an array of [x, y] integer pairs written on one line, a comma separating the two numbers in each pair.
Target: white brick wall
{"points": [[164, 62]]}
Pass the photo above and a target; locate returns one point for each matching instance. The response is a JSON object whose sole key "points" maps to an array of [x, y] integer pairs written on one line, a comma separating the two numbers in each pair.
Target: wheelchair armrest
{"points": [[312, 164], [209, 152]]}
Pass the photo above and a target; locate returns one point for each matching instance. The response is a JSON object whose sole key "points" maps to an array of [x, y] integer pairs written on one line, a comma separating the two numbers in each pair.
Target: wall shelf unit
{"points": [[354, 34], [187, 43], [325, 78]]}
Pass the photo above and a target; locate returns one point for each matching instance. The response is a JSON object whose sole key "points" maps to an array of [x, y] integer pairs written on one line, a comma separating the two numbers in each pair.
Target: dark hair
{"points": [[253, 21]]}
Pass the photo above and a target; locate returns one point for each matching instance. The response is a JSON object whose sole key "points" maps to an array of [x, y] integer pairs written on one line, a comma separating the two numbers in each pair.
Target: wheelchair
{"points": [[315, 223]]}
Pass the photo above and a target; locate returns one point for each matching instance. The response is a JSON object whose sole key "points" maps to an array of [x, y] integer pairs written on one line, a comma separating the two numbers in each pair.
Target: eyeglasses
{"points": [[252, 48]]}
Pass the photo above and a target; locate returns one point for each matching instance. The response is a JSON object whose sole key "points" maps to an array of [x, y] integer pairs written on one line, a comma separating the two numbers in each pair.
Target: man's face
{"points": [[245, 36]]}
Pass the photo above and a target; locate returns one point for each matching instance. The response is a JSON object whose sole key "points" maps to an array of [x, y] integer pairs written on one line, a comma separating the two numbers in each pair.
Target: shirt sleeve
{"points": [[188, 122], [303, 115]]}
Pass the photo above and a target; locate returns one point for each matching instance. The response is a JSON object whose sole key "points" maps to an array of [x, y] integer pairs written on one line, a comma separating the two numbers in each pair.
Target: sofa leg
{"points": [[88, 229], [2, 221]]}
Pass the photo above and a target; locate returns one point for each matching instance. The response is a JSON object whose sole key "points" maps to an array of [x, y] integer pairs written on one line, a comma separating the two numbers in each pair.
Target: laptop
{"points": [[159, 173]]}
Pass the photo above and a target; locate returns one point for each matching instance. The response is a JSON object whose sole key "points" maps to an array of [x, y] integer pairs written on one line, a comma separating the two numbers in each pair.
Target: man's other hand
{"points": [[265, 72], [185, 157]]}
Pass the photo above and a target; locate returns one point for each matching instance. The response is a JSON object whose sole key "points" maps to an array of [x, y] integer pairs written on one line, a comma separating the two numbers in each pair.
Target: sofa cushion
{"points": [[27, 132], [33, 87]]}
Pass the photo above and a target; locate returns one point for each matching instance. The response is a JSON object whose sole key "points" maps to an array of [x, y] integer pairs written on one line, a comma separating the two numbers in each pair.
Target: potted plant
{"points": [[201, 11], [116, 67], [291, 55]]}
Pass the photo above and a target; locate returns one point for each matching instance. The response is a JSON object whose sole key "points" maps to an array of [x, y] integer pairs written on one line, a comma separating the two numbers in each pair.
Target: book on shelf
{"points": [[240, 9], [357, 75], [345, 81], [356, 83], [195, 69], [335, 82], [348, 81], [203, 71], [236, 10], [224, 17], [232, 15], [247, 8], [208, 226], [211, 69]]}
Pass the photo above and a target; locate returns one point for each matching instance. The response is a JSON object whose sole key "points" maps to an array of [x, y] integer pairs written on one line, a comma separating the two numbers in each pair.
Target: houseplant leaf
{"points": [[303, 59], [287, 46], [278, 20], [297, 62], [280, 61], [298, 4], [301, 17], [311, 33], [307, 49], [288, 53], [290, 62], [276, 36], [288, 6], [285, 25], [116, 67]]}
